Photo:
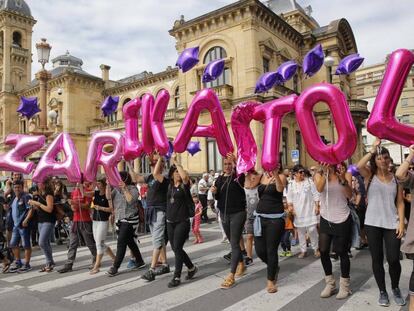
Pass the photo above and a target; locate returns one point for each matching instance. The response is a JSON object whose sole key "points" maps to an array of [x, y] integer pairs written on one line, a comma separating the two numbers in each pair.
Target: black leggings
{"points": [[376, 237], [126, 238], [340, 247], [267, 245], [233, 225], [178, 234]]}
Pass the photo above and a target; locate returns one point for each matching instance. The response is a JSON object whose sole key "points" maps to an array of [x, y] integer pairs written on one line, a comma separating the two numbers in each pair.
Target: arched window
{"points": [[214, 53], [126, 101], [177, 98], [17, 39]]}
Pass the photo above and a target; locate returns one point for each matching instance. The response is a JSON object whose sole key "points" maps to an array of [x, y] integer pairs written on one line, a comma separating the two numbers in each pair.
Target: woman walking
{"points": [[43, 203], [303, 200], [384, 219], [334, 187], [125, 204], [231, 201], [179, 201], [101, 212]]}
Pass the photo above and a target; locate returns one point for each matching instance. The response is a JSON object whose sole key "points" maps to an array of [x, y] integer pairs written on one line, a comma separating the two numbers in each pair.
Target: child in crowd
{"points": [[197, 219], [285, 243]]}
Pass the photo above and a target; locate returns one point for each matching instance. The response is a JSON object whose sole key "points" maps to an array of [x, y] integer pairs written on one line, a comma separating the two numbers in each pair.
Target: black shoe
{"points": [[174, 282], [191, 274], [149, 275], [140, 265], [248, 261], [163, 270], [66, 268], [112, 271], [227, 257]]}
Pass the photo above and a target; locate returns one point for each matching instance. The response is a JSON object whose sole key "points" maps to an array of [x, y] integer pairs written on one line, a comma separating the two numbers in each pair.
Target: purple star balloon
{"points": [[266, 81], [213, 70], [287, 70], [170, 151], [193, 147], [349, 64], [353, 169], [313, 61], [188, 59], [110, 105], [28, 107]]}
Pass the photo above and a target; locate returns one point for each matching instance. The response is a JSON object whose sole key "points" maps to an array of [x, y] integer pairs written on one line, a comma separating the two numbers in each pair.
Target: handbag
{"points": [[355, 228]]}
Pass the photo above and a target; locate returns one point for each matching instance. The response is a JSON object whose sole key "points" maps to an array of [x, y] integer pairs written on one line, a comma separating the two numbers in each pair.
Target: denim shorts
{"points": [[23, 234], [158, 230]]}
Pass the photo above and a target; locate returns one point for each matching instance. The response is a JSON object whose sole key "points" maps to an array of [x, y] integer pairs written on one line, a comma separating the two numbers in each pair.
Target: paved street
{"points": [[300, 282]]}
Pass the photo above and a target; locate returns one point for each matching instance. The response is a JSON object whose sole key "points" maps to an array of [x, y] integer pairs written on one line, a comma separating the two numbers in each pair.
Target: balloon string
{"points": [[327, 196]]}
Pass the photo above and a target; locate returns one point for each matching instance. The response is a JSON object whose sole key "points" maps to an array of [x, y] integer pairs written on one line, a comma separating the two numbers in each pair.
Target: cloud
{"points": [[132, 35]]}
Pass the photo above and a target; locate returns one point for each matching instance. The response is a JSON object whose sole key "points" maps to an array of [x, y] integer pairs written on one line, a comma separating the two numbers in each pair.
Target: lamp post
{"points": [[43, 76], [329, 61], [400, 117]]}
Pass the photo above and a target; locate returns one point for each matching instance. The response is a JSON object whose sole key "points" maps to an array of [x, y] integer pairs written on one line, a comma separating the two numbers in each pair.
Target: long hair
{"points": [[126, 178], [49, 189], [171, 171], [382, 151]]}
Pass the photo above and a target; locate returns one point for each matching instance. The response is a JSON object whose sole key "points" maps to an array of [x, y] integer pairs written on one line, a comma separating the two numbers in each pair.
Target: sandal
{"points": [[6, 267], [43, 269], [94, 271], [228, 283], [49, 268], [271, 289]]}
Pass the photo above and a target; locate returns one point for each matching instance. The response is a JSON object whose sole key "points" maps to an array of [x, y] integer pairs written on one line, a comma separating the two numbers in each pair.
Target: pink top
{"points": [[334, 206]]}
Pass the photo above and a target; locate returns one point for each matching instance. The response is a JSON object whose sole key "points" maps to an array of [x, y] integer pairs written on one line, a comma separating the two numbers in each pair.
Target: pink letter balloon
{"points": [[204, 99], [48, 166], [13, 160], [147, 107], [133, 147], [109, 161], [347, 135], [382, 121], [157, 122]]}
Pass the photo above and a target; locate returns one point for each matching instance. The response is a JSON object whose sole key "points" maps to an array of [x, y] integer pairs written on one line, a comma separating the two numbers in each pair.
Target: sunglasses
{"points": [[411, 168]]}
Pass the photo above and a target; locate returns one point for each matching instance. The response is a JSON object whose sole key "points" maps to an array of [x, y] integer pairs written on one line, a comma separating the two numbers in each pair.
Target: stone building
{"points": [[368, 82], [253, 38]]}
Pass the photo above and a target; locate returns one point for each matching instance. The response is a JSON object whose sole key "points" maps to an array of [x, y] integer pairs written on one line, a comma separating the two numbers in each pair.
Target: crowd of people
{"points": [[325, 210]]}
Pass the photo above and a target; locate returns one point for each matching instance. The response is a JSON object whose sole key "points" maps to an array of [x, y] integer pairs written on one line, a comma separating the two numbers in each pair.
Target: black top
{"points": [[100, 200], [177, 208], [271, 200], [230, 194], [157, 192], [43, 216]]}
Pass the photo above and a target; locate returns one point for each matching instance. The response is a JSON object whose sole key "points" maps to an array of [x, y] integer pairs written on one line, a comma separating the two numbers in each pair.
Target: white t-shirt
{"points": [[303, 196], [202, 184]]}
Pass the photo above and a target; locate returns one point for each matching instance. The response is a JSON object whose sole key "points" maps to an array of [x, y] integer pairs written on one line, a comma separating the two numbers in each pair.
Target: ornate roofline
{"points": [[147, 80], [237, 11], [18, 16]]}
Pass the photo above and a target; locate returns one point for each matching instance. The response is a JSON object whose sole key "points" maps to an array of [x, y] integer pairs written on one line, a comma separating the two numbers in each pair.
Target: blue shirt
{"points": [[20, 207]]}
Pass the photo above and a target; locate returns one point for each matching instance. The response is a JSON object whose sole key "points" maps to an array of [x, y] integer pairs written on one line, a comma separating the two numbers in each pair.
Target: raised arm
{"points": [[158, 176], [320, 177], [181, 171], [136, 178], [363, 169], [402, 171]]}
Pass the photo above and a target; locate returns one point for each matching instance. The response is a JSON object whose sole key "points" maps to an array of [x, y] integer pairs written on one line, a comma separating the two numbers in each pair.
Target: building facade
{"points": [[253, 38], [368, 83]]}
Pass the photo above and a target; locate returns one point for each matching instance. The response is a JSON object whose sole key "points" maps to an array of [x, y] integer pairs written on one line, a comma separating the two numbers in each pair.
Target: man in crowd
{"points": [[203, 187]]}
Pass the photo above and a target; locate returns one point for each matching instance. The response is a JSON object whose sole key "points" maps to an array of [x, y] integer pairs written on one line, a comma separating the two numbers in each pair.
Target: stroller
{"points": [[62, 231]]}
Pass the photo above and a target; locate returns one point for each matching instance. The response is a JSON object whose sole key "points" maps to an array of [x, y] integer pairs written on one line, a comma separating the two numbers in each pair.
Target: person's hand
{"points": [[400, 230], [25, 223], [174, 157], [9, 182], [341, 174], [231, 157], [411, 150], [317, 210], [375, 145], [323, 168], [70, 201]]}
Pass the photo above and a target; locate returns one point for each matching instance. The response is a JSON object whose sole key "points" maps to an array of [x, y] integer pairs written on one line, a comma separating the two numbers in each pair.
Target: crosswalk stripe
{"points": [[190, 291], [108, 290], [289, 288], [83, 276], [6, 290], [367, 296]]}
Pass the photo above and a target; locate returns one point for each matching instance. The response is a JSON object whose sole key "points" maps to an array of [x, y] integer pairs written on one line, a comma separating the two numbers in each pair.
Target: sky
{"points": [[132, 36]]}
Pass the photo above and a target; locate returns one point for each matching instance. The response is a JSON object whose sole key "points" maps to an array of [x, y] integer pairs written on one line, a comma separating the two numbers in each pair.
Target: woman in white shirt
{"points": [[303, 199]]}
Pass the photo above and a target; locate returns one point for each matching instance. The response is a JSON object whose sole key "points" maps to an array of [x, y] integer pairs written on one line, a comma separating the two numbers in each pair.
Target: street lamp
{"points": [[329, 61], [400, 118], [43, 54]]}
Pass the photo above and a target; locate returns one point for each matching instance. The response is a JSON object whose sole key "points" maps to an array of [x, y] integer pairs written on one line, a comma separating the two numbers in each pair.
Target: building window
{"points": [[23, 126], [284, 146], [214, 159], [112, 117], [266, 67], [404, 102], [405, 119], [145, 165], [214, 53], [177, 98], [126, 101], [298, 138], [17, 39], [364, 139]]}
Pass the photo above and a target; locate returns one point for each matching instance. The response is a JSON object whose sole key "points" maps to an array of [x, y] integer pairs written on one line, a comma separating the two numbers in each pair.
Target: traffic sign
{"points": [[294, 155]]}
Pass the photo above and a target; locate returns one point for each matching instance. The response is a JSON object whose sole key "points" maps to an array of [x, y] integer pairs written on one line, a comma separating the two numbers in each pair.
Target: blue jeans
{"points": [[45, 231], [20, 233]]}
